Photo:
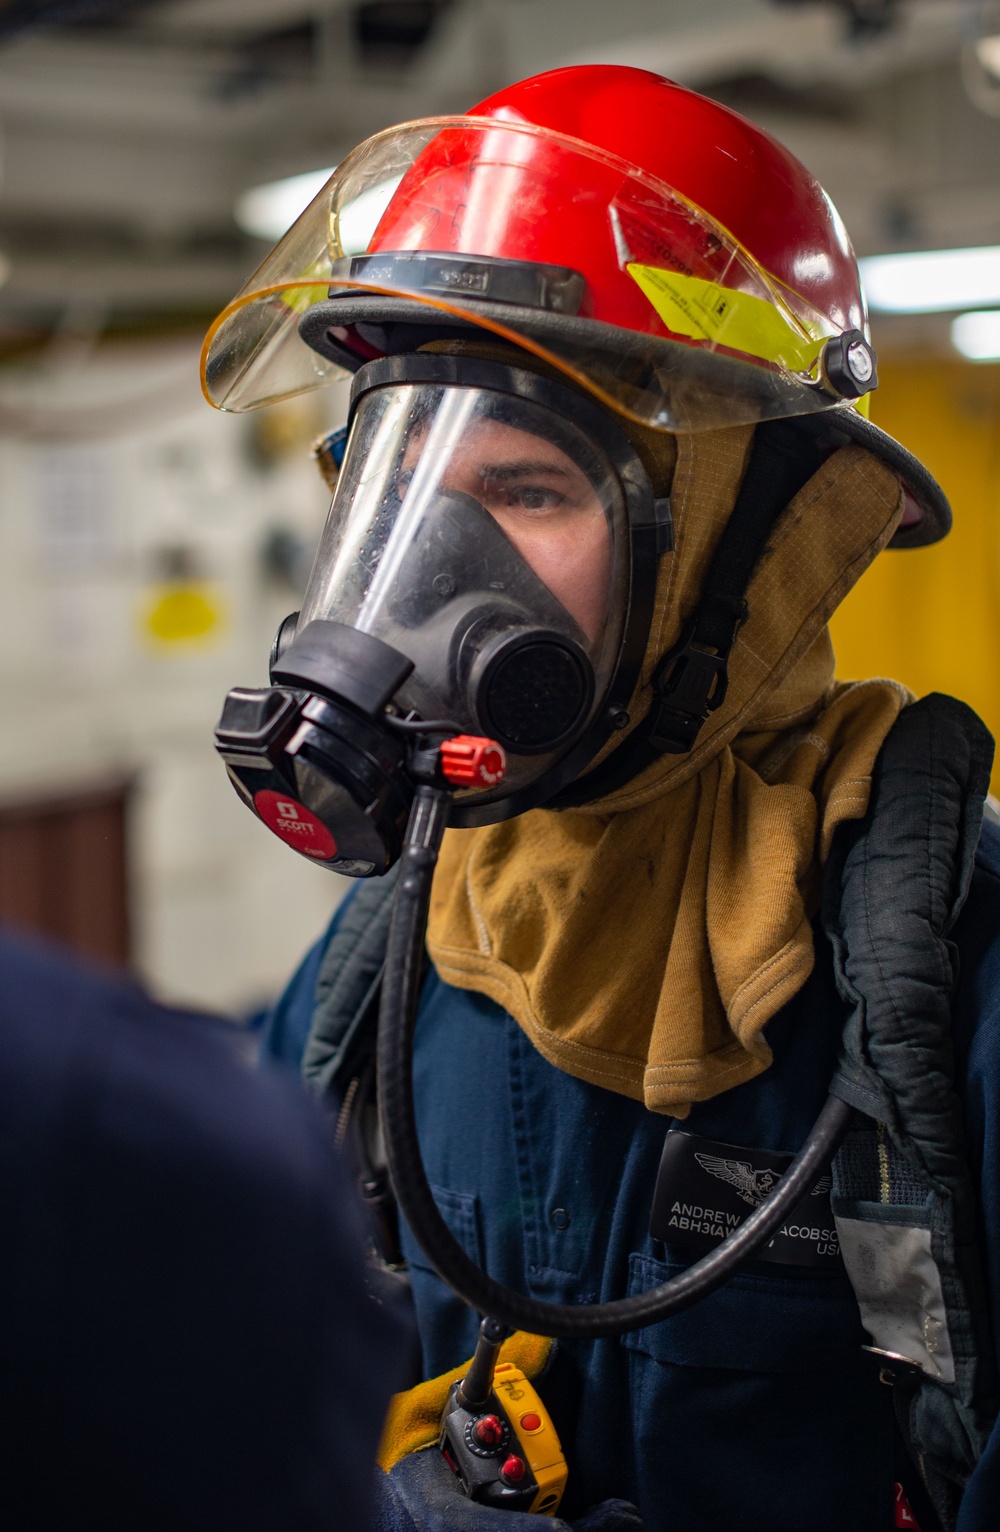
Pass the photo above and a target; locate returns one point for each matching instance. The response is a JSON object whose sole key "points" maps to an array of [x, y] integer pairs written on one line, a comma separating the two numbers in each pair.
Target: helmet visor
{"points": [[486, 538], [678, 326]]}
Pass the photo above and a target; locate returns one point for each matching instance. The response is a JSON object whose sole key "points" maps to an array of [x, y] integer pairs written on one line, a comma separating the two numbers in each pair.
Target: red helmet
{"points": [[665, 253]]}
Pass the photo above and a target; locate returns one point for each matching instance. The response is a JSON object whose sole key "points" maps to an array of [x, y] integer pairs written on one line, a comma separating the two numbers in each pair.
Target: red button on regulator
{"points": [[530, 1422], [512, 1471], [488, 1431], [469, 760]]}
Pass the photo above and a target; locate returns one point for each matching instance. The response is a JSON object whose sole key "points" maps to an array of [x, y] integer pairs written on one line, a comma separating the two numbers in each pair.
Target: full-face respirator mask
{"points": [[486, 571]]}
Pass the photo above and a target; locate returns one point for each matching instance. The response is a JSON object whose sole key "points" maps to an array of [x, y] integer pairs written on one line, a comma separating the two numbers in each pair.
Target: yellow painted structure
{"points": [[181, 614], [930, 617]]}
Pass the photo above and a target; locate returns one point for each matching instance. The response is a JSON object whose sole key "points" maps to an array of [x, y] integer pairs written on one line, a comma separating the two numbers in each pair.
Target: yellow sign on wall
{"points": [[177, 615]]}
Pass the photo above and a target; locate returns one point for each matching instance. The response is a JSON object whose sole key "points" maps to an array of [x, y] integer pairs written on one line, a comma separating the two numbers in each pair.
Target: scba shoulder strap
{"points": [[339, 1059], [903, 1194], [342, 1034]]}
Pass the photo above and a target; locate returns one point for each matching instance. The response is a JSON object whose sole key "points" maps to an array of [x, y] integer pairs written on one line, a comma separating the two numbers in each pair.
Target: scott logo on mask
{"points": [[705, 1190], [295, 824]]}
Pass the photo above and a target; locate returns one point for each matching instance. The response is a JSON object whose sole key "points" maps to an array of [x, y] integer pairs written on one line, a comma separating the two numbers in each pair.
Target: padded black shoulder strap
{"points": [[904, 1197], [342, 1036]]}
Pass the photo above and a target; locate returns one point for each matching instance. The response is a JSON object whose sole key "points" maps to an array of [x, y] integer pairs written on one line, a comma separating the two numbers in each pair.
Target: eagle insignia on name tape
{"points": [[705, 1190]]}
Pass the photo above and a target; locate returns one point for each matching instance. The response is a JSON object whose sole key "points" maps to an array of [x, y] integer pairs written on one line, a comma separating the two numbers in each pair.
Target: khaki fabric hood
{"points": [[644, 941]]}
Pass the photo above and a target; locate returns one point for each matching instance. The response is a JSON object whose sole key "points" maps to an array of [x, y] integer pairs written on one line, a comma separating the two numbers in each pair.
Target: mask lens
{"points": [[485, 537]]}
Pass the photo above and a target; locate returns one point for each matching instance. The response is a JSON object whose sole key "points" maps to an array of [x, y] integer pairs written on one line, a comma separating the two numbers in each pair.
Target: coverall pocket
{"points": [[447, 1325], [755, 1323], [759, 1409], [460, 1211]]}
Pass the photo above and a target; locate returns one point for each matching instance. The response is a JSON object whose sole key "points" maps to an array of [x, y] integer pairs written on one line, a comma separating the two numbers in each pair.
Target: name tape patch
{"points": [[705, 1190]]}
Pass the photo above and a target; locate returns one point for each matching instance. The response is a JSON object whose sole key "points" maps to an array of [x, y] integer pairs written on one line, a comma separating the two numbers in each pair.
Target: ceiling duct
{"points": [[862, 18]]}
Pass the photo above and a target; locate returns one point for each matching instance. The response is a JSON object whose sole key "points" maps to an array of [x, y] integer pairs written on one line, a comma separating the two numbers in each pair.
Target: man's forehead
{"points": [[518, 466], [512, 446]]}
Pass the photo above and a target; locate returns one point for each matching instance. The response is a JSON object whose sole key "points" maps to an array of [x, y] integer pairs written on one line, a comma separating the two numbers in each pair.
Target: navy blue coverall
{"points": [[186, 1339], [757, 1409]]}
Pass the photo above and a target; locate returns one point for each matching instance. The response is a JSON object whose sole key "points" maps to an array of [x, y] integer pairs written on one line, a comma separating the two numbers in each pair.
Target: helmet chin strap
{"points": [[691, 680]]}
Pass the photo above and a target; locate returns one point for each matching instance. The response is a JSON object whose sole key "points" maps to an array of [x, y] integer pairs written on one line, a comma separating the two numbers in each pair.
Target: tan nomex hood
{"points": [[644, 941]]}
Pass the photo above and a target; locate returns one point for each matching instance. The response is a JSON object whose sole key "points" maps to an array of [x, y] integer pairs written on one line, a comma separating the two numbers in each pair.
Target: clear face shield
{"points": [[486, 538], [410, 225]]}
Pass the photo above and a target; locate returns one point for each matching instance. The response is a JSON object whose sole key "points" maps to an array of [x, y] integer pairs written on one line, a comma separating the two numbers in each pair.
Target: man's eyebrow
{"points": [[520, 466]]}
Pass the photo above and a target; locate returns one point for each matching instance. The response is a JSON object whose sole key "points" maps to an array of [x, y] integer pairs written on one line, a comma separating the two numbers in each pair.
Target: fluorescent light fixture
{"points": [[987, 51], [932, 281], [269, 211], [977, 335], [360, 218]]}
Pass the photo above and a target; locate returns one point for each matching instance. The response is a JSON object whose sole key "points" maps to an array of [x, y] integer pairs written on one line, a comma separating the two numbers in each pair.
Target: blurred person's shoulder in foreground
{"points": [[186, 1338]]}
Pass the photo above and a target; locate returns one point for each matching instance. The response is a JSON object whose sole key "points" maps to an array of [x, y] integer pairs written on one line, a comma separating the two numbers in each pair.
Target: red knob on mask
{"points": [[469, 760]]}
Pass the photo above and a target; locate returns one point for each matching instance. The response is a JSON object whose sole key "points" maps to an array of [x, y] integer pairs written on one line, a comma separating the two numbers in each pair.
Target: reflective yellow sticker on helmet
{"points": [[301, 298], [704, 310]]}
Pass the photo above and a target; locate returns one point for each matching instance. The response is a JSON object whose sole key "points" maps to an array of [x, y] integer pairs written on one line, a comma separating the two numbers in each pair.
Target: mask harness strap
{"points": [[691, 681]]}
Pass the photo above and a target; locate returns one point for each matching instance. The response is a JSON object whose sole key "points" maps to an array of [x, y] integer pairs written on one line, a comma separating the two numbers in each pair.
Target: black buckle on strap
{"points": [[691, 683]]}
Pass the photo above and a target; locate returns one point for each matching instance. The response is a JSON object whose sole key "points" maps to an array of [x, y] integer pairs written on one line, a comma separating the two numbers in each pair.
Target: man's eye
{"points": [[531, 498]]}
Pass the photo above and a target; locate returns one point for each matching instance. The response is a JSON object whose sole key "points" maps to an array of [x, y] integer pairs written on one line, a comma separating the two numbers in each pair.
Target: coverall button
{"points": [[559, 1218]]}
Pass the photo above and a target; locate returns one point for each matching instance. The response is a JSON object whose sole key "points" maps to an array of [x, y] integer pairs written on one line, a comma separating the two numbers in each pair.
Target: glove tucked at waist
{"points": [[422, 1495], [414, 1417]]}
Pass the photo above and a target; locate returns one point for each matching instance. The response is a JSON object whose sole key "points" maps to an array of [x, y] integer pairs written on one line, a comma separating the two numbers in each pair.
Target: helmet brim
{"points": [[921, 486], [387, 324]]}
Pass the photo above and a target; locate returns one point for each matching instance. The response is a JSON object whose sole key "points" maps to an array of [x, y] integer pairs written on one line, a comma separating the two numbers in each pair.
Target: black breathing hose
{"points": [[397, 1016]]}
